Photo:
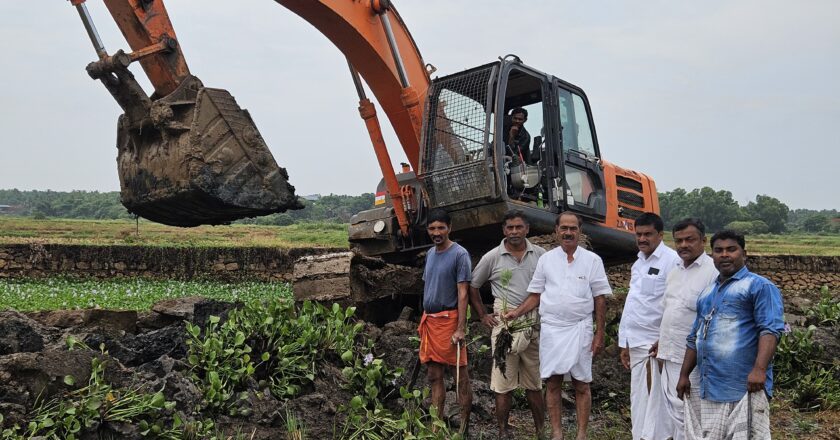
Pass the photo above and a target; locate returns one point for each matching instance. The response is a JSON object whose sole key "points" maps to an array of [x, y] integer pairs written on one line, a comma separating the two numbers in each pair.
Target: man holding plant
{"points": [[569, 284], [443, 325], [509, 268]]}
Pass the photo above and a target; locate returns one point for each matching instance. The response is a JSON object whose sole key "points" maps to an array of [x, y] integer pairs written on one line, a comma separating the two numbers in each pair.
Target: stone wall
{"points": [[37, 260], [789, 272]]}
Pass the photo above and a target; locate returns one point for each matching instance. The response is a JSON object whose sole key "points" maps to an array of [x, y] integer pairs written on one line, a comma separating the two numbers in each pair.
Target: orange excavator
{"points": [[189, 155]]}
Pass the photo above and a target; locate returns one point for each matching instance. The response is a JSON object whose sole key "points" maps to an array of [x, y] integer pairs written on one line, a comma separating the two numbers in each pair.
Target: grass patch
{"points": [[787, 244], [14, 230], [123, 293]]}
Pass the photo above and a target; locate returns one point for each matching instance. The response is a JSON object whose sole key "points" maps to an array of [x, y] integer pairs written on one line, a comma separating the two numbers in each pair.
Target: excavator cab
{"points": [[473, 168]]}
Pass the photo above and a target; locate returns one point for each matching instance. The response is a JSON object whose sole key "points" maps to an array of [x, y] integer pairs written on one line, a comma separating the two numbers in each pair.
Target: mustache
{"points": [[567, 236]]}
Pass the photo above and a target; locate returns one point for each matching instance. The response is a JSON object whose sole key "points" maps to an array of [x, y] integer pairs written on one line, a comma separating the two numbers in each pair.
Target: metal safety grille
{"points": [[631, 199], [459, 184], [455, 138], [629, 213], [627, 182]]}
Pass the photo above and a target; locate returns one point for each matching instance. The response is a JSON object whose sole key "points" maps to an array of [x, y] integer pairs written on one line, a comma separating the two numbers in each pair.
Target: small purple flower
{"points": [[368, 359], [787, 329]]}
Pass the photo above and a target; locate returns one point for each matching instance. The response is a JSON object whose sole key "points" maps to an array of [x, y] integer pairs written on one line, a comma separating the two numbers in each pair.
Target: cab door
{"points": [[579, 183]]}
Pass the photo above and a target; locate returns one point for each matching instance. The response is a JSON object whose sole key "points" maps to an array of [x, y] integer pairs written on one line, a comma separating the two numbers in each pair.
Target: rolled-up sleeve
{"points": [[598, 281], [691, 339], [768, 310]]}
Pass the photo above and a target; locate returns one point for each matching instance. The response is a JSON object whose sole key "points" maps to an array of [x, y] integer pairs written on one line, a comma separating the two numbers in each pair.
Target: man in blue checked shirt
{"points": [[738, 324]]}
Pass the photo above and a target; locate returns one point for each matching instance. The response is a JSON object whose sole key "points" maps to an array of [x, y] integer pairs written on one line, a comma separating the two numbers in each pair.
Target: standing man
{"points": [[640, 319], [739, 320], [443, 325], [509, 268], [693, 274], [568, 285]]}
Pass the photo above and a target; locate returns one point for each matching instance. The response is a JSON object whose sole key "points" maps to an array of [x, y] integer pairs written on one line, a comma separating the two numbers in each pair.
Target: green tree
{"points": [[715, 208], [816, 223], [769, 210]]}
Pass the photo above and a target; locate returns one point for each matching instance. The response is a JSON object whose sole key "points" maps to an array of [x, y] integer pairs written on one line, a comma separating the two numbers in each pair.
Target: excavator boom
{"points": [[189, 155]]}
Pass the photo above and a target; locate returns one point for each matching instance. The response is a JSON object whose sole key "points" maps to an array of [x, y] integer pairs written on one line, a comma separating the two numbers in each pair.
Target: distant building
{"points": [[4, 208], [312, 197]]}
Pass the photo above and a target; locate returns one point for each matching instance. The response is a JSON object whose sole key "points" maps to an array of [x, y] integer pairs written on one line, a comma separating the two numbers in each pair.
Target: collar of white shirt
{"points": [[656, 252]]}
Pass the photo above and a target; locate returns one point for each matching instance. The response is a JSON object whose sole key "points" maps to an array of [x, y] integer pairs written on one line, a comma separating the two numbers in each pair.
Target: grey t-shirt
{"points": [[442, 274], [495, 263]]}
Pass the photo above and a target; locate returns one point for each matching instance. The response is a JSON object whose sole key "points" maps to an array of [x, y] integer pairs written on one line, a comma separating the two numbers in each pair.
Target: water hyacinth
{"points": [[125, 294]]}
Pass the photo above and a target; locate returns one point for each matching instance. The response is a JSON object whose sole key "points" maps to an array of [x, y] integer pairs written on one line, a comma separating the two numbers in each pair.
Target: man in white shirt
{"points": [[569, 284], [693, 274], [640, 320]]}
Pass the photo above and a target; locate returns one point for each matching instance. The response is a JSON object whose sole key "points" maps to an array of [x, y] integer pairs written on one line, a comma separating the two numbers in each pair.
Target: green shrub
{"points": [[749, 227], [289, 342], [84, 409], [826, 312], [812, 385]]}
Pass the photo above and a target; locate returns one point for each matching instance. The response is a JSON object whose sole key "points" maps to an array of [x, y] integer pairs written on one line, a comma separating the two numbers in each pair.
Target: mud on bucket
{"points": [[199, 159]]}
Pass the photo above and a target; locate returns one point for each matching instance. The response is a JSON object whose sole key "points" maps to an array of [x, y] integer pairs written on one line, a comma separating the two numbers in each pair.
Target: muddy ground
{"points": [[150, 347]]}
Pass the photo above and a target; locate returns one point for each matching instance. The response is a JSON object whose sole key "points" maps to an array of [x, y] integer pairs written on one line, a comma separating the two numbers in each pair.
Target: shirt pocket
{"points": [[579, 287], [652, 283]]}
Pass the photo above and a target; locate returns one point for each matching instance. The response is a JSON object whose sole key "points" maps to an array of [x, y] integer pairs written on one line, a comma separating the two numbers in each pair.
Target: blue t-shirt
{"points": [[443, 271]]}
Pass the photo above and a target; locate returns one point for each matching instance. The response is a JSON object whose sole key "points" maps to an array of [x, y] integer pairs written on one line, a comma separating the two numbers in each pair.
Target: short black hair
{"points": [[650, 219], [691, 221], [728, 234], [515, 213], [557, 221], [439, 215], [516, 110]]}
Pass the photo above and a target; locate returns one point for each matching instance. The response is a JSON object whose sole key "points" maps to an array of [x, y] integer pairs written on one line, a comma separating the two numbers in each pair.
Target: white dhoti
{"points": [[748, 418], [566, 349], [648, 413], [670, 375]]}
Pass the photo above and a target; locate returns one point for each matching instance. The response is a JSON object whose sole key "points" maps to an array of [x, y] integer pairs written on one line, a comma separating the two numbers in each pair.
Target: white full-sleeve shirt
{"points": [[683, 286], [642, 312], [567, 290]]}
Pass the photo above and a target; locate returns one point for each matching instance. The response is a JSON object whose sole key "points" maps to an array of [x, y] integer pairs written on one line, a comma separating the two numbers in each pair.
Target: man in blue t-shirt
{"points": [[447, 277]]}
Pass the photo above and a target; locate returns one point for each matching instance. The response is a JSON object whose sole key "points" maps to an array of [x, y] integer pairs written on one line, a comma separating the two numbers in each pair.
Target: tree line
{"points": [[765, 214], [717, 208], [107, 206]]}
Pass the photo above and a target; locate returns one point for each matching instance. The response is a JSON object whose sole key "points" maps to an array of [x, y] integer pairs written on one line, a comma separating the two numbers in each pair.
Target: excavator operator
{"points": [[517, 138]]}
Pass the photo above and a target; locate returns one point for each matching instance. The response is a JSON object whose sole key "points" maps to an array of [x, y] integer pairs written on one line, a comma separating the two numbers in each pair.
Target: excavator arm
{"points": [[189, 155]]}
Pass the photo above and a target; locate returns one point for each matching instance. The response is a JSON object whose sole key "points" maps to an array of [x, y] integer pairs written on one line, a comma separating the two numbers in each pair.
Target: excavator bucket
{"points": [[195, 157]]}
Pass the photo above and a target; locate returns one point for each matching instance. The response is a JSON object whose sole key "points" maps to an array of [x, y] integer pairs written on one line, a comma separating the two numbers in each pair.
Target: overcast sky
{"points": [[737, 95]]}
